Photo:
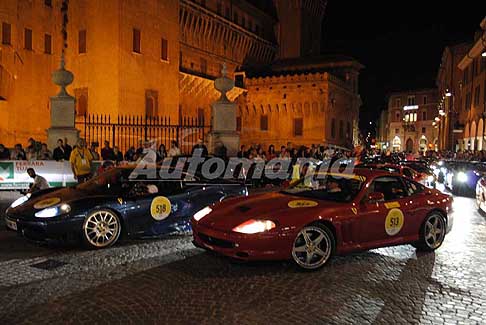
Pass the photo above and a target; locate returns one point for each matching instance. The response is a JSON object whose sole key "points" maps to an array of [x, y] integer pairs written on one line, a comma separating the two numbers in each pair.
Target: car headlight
{"points": [[254, 226], [202, 213], [53, 211], [440, 163], [462, 177], [430, 178], [20, 201]]}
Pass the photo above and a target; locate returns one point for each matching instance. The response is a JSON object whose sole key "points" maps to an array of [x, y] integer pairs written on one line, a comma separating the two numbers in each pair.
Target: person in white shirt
{"points": [[40, 183], [174, 150]]}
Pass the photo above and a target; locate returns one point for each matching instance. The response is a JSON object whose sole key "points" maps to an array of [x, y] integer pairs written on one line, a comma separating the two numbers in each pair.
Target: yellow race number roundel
{"points": [[160, 208], [394, 222], [42, 204], [302, 204]]}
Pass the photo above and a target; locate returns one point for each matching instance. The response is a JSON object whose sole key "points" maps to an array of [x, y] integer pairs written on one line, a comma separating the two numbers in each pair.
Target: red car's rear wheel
{"points": [[313, 247]]}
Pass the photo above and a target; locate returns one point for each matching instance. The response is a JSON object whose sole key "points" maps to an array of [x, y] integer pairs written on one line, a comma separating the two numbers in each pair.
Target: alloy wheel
{"points": [[312, 247], [435, 229], [101, 228]]}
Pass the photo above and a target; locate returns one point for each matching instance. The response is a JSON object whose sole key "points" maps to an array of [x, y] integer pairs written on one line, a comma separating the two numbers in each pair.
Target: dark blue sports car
{"points": [[115, 204], [462, 176]]}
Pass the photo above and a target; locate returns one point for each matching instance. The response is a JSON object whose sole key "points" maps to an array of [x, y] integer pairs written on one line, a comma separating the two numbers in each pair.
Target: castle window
{"points": [[28, 39], [47, 44], [341, 129], [235, 17], [6, 34], [424, 116], [48, 3], [333, 128], [151, 102], [81, 95], [264, 122], [298, 127], [136, 46], [82, 41], [425, 100], [164, 50]]}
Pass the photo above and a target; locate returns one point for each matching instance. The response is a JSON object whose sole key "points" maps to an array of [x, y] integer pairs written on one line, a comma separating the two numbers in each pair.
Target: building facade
{"points": [[160, 58], [472, 93], [411, 121], [449, 86]]}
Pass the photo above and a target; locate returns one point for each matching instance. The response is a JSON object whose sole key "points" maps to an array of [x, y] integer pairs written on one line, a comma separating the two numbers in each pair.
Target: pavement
{"points": [[168, 280]]}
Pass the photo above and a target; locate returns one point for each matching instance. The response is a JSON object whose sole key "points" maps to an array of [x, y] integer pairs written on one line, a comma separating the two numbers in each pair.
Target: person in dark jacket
{"points": [[200, 146], [59, 152], [4, 153]]}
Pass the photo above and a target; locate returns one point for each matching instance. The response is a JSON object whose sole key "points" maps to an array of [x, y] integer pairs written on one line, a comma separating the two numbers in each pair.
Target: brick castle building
{"points": [[160, 58]]}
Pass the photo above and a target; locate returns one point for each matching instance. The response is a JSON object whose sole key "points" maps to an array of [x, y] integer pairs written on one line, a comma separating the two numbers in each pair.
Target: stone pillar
{"points": [[223, 118], [62, 110]]}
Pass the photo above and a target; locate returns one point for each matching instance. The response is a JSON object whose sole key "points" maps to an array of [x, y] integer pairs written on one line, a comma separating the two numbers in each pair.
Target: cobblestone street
{"points": [[169, 281]]}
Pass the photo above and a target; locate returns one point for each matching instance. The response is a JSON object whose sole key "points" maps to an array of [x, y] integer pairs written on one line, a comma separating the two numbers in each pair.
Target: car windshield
{"points": [[111, 180], [329, 187]]}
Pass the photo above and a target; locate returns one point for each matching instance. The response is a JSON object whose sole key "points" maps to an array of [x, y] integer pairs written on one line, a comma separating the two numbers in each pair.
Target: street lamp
{"points": [[448, 93]]}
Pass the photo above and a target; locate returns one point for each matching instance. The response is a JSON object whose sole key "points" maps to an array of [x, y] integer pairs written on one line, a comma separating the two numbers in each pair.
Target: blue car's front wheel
{"points": [[101, 229]]}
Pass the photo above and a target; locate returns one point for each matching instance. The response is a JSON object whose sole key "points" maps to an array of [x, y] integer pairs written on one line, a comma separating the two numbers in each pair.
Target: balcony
{"points": [[204, 30]]}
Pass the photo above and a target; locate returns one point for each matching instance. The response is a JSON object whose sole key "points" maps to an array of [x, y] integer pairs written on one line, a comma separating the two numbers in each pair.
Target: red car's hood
{"points": [[275, 206]]}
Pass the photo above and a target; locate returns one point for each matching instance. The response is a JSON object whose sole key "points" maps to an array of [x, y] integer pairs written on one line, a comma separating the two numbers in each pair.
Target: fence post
{"points": [[85, 126], [145, 129]]}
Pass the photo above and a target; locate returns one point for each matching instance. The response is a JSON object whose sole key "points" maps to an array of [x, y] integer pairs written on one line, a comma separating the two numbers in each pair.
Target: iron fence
{"points": [[125, 131]]}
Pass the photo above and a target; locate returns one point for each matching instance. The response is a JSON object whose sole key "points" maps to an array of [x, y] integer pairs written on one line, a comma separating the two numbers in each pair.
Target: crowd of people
{"points": [[290, 151]]}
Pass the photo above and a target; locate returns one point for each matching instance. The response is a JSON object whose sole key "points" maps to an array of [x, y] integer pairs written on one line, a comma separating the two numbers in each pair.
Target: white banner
{"points": [[13, 174]]}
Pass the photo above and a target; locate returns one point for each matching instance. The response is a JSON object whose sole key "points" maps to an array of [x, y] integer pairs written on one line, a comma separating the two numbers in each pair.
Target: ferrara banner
{"points": [[13, 174]]}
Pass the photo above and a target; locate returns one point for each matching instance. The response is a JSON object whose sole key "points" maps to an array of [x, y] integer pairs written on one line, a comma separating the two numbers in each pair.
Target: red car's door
{"points": [[386, 222]]}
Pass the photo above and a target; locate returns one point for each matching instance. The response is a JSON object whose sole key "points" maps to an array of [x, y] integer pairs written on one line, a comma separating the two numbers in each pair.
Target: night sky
{"points": [[399, 42]]}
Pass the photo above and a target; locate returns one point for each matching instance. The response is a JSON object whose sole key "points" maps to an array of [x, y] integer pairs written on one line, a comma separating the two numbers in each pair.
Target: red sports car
{"points": [[325, 214]]}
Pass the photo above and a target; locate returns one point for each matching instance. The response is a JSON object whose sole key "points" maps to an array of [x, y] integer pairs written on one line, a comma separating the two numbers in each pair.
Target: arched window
{"points": [[82, 105]]}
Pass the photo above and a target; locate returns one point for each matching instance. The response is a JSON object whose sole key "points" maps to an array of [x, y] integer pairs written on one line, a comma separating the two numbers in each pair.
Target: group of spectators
{"points": [[319, 152], [36, 150]]}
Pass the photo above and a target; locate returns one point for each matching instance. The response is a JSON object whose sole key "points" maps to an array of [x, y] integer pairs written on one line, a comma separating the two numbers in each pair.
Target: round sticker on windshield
{"points": [[160, 208], [394, 222], [42, 204], [302, 204]]}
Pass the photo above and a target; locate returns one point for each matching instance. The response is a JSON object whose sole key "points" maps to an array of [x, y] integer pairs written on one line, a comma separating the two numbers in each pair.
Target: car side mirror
{"points": [[375, 197]]}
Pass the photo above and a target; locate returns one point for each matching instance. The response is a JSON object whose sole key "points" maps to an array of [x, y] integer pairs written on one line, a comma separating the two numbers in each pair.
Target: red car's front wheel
{"points": [[313, 247]]}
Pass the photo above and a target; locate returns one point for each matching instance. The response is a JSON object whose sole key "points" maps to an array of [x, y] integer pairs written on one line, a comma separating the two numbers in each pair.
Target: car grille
{"points": [[216, 241]]}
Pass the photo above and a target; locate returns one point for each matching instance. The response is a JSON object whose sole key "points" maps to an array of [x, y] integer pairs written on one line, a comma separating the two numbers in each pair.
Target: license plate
{"points": [[11, 225]]}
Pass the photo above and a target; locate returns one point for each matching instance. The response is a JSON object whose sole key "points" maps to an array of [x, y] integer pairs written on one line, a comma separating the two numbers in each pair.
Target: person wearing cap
{"points": [[80, 160], [40, 183]]}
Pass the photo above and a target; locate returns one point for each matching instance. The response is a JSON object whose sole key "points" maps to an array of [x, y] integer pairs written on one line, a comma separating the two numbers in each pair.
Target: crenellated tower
{"points": [[299, 28]]}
